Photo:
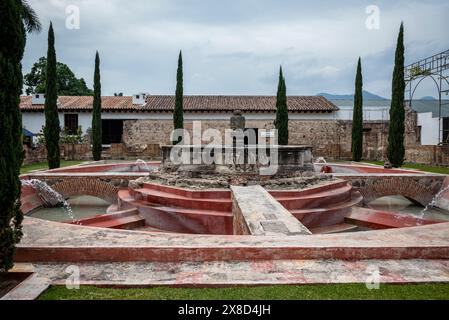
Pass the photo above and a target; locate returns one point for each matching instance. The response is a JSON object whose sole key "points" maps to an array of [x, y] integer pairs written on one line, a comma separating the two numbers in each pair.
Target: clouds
{"points": [[235, 47]]}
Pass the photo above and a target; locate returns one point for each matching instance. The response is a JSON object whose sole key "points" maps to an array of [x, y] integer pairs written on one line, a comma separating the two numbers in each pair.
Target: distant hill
{"points": [[427, 98], [366, 95]]}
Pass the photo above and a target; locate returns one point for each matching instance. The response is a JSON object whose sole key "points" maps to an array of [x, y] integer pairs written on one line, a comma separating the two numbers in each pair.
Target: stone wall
{"points": [[120, 151], [329, 138], [68, 152], [420, 188], [83, 152], [435, 155]]}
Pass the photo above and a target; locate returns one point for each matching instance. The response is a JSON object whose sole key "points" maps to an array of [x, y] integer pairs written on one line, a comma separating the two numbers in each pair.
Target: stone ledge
{"points": [[257, 213]]}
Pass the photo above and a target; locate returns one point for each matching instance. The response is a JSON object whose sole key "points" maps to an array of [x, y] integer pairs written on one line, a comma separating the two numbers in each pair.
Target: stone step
{"points": [[355, 199], [219, 274], [129, 223], [375, 219], [316, 200], [308, 191], [168, 199], [151, 229], [194, 194], [125, 219], [336, 228], [108, 217], [182, 220], [330, 214], [294, 199]]}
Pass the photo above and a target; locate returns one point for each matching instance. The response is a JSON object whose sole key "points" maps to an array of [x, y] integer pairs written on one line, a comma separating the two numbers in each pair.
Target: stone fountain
{"points": [[239, 160]]}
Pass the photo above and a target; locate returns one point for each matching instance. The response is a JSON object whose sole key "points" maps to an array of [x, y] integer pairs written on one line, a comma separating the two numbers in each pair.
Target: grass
{"points": [[44, 166], [307, 292], [422, 167]]}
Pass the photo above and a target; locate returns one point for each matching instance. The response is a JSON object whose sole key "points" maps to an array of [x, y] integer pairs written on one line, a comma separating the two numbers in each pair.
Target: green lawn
{"points": [[422, 167], [44, 166], [308, 292]]}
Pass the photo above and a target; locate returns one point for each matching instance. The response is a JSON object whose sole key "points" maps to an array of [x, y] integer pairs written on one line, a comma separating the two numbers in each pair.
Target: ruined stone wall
{"points": [[68, 152], [329, 138], [434, 155]]}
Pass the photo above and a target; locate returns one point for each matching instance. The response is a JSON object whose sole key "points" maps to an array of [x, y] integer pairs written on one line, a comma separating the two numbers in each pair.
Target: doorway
{"points": [[112, 131]]}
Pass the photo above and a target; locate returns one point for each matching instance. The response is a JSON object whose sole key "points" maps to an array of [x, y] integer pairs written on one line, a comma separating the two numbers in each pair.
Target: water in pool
{"points": [[87, 206], [82, 206], [403, 205]]}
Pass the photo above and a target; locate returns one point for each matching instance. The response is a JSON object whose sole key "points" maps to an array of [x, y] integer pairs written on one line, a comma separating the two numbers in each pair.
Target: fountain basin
{"points": [[248, 159], [165, 208]]}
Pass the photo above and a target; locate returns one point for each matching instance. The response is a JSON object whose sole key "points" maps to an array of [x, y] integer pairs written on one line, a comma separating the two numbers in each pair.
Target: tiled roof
{"points": [[161, 103], [243, 103], [81, 103]]}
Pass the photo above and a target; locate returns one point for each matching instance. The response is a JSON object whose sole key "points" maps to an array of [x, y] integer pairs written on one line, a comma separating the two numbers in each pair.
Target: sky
{"points": [[235, 47]]}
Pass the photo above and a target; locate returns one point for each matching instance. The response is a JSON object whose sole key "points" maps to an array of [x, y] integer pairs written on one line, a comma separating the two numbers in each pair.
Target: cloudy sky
{"points": [[236, 46]]}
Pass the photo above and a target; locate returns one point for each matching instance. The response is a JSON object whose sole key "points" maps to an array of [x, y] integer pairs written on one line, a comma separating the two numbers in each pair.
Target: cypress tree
{"points": [[178, 115], [52, 128], [96, 116], [357, 120], [14, 17], [396, 149], [281, 122]]}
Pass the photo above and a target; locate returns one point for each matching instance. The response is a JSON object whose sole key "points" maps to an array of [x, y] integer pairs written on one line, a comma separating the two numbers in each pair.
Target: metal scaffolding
{"points": [[435, 67]]}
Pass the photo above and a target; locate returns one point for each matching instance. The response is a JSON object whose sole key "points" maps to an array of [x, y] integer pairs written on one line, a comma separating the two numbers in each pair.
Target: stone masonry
{"points": [[329, 138], [420, 188], [257, 213]]}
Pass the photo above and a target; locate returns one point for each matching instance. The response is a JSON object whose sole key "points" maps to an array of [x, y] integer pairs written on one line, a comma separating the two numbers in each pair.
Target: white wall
{"points": [[429, 128], [33, 121], [369, 113]]}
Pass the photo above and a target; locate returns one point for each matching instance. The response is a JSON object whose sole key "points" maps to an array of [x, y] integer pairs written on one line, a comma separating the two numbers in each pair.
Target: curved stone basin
{"points": [[157, 208]]}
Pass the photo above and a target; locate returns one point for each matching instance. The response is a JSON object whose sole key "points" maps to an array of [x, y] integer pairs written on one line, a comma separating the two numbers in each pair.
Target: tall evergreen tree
{"points": [[96, 116], [396, 149], [357, 120], [281, 122], [178, 115], [52, 128], [16, 18]]}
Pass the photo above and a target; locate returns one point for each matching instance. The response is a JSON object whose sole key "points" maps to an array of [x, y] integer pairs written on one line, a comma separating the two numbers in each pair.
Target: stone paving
{"points": [[238, 273], [414, 255], [55, 242]]}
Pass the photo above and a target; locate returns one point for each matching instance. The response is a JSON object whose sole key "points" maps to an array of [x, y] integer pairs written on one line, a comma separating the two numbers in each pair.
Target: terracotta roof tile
{"points": [[80, 103], [243, 103], [162, 103]]}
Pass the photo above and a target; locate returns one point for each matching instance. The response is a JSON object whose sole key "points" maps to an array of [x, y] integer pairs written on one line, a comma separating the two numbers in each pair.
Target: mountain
{"points": [[366, 95], [428, 98]]}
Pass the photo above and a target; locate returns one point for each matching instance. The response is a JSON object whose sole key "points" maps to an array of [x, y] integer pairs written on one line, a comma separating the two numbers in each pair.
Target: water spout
{"points": [[46, 191], [321, 160], [434, 201], [146, 166]]}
